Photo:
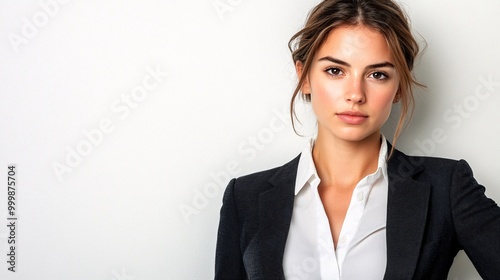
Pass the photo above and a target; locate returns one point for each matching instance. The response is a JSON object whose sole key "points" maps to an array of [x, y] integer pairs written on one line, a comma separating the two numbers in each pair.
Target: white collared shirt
{"points": [[361, 248]]}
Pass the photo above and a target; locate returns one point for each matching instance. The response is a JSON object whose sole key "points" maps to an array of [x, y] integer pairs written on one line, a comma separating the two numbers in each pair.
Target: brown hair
{"points": [[384, 16]]}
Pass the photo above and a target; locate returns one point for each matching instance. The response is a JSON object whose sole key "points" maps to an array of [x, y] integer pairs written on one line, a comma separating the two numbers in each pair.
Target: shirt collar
{"points": [[306, 170]]}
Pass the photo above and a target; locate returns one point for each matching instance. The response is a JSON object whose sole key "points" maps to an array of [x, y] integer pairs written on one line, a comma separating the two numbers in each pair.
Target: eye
{"points": [[334, 71], [379, 76]]}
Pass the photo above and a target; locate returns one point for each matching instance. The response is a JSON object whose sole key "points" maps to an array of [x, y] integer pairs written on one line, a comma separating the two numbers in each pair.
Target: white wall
{"points": [[114, 213]]}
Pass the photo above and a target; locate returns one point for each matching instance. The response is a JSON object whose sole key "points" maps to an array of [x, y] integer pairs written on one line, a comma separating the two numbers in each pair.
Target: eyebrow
{"points": [[338, 61]]}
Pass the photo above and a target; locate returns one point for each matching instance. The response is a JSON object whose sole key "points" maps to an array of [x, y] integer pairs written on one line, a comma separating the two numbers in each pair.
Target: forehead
{"points": [[356, 43]]}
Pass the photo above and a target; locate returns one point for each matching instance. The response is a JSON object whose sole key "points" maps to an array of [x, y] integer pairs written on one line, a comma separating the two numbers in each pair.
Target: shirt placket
{"points": [[352, 219], [325, 251]]}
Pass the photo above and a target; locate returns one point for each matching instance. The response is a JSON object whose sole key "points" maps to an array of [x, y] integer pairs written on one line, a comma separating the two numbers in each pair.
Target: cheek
{"points": [[384, 100], [324, 100], [326, 93]]}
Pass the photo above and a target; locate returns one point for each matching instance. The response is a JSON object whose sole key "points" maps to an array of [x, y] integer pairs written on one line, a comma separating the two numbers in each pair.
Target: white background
{"points": [[116, 212]]}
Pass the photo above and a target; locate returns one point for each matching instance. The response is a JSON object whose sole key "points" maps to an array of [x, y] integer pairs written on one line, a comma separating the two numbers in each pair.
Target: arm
{"points": [[477, 222], [228, 259]]}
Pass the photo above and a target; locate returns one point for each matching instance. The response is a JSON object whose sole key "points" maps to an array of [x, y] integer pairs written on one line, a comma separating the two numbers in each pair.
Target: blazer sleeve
{"points": [[228, 258], [477, 221]]}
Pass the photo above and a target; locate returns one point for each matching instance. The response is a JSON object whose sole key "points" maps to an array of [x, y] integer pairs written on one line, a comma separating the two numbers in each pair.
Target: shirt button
{"points": [[360, 196]]}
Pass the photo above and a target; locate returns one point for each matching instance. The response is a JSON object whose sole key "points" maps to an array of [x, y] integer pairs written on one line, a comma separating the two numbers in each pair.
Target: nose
{"points": [[355, 92]]}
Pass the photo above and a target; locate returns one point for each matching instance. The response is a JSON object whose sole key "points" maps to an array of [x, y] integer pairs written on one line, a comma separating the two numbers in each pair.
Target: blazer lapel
{"points": [[407, 206], [275, 214]]}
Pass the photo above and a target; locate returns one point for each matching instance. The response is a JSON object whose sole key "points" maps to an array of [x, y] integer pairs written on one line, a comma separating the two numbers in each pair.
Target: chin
{"points": [[355, 135]]}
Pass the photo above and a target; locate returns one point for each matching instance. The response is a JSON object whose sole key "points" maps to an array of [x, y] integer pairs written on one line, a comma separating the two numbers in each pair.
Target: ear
{"points": [[306, 87], [397, 97]]}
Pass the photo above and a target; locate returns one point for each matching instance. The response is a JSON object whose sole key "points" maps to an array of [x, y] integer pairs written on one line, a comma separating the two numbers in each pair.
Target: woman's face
{"points": [[352, 83]]}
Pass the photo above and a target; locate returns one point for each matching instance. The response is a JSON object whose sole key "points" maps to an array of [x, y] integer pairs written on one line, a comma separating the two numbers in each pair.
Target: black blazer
{"points": [[435, 208]]}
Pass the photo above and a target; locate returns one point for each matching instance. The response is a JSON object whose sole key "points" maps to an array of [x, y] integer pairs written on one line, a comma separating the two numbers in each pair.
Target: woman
{"points": [[351, 206]]}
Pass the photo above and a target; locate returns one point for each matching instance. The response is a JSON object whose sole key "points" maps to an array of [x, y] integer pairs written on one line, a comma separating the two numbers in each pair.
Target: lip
{"points": [[352, 117]]}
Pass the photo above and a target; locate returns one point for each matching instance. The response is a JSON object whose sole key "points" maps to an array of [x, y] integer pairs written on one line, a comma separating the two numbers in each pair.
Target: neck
{"points": [[341, 163]]}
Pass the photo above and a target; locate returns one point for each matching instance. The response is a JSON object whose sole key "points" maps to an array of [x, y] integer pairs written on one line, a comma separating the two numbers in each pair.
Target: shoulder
{"points": [[402, 165], [443, 175], [242, 193], [261, 181]]}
